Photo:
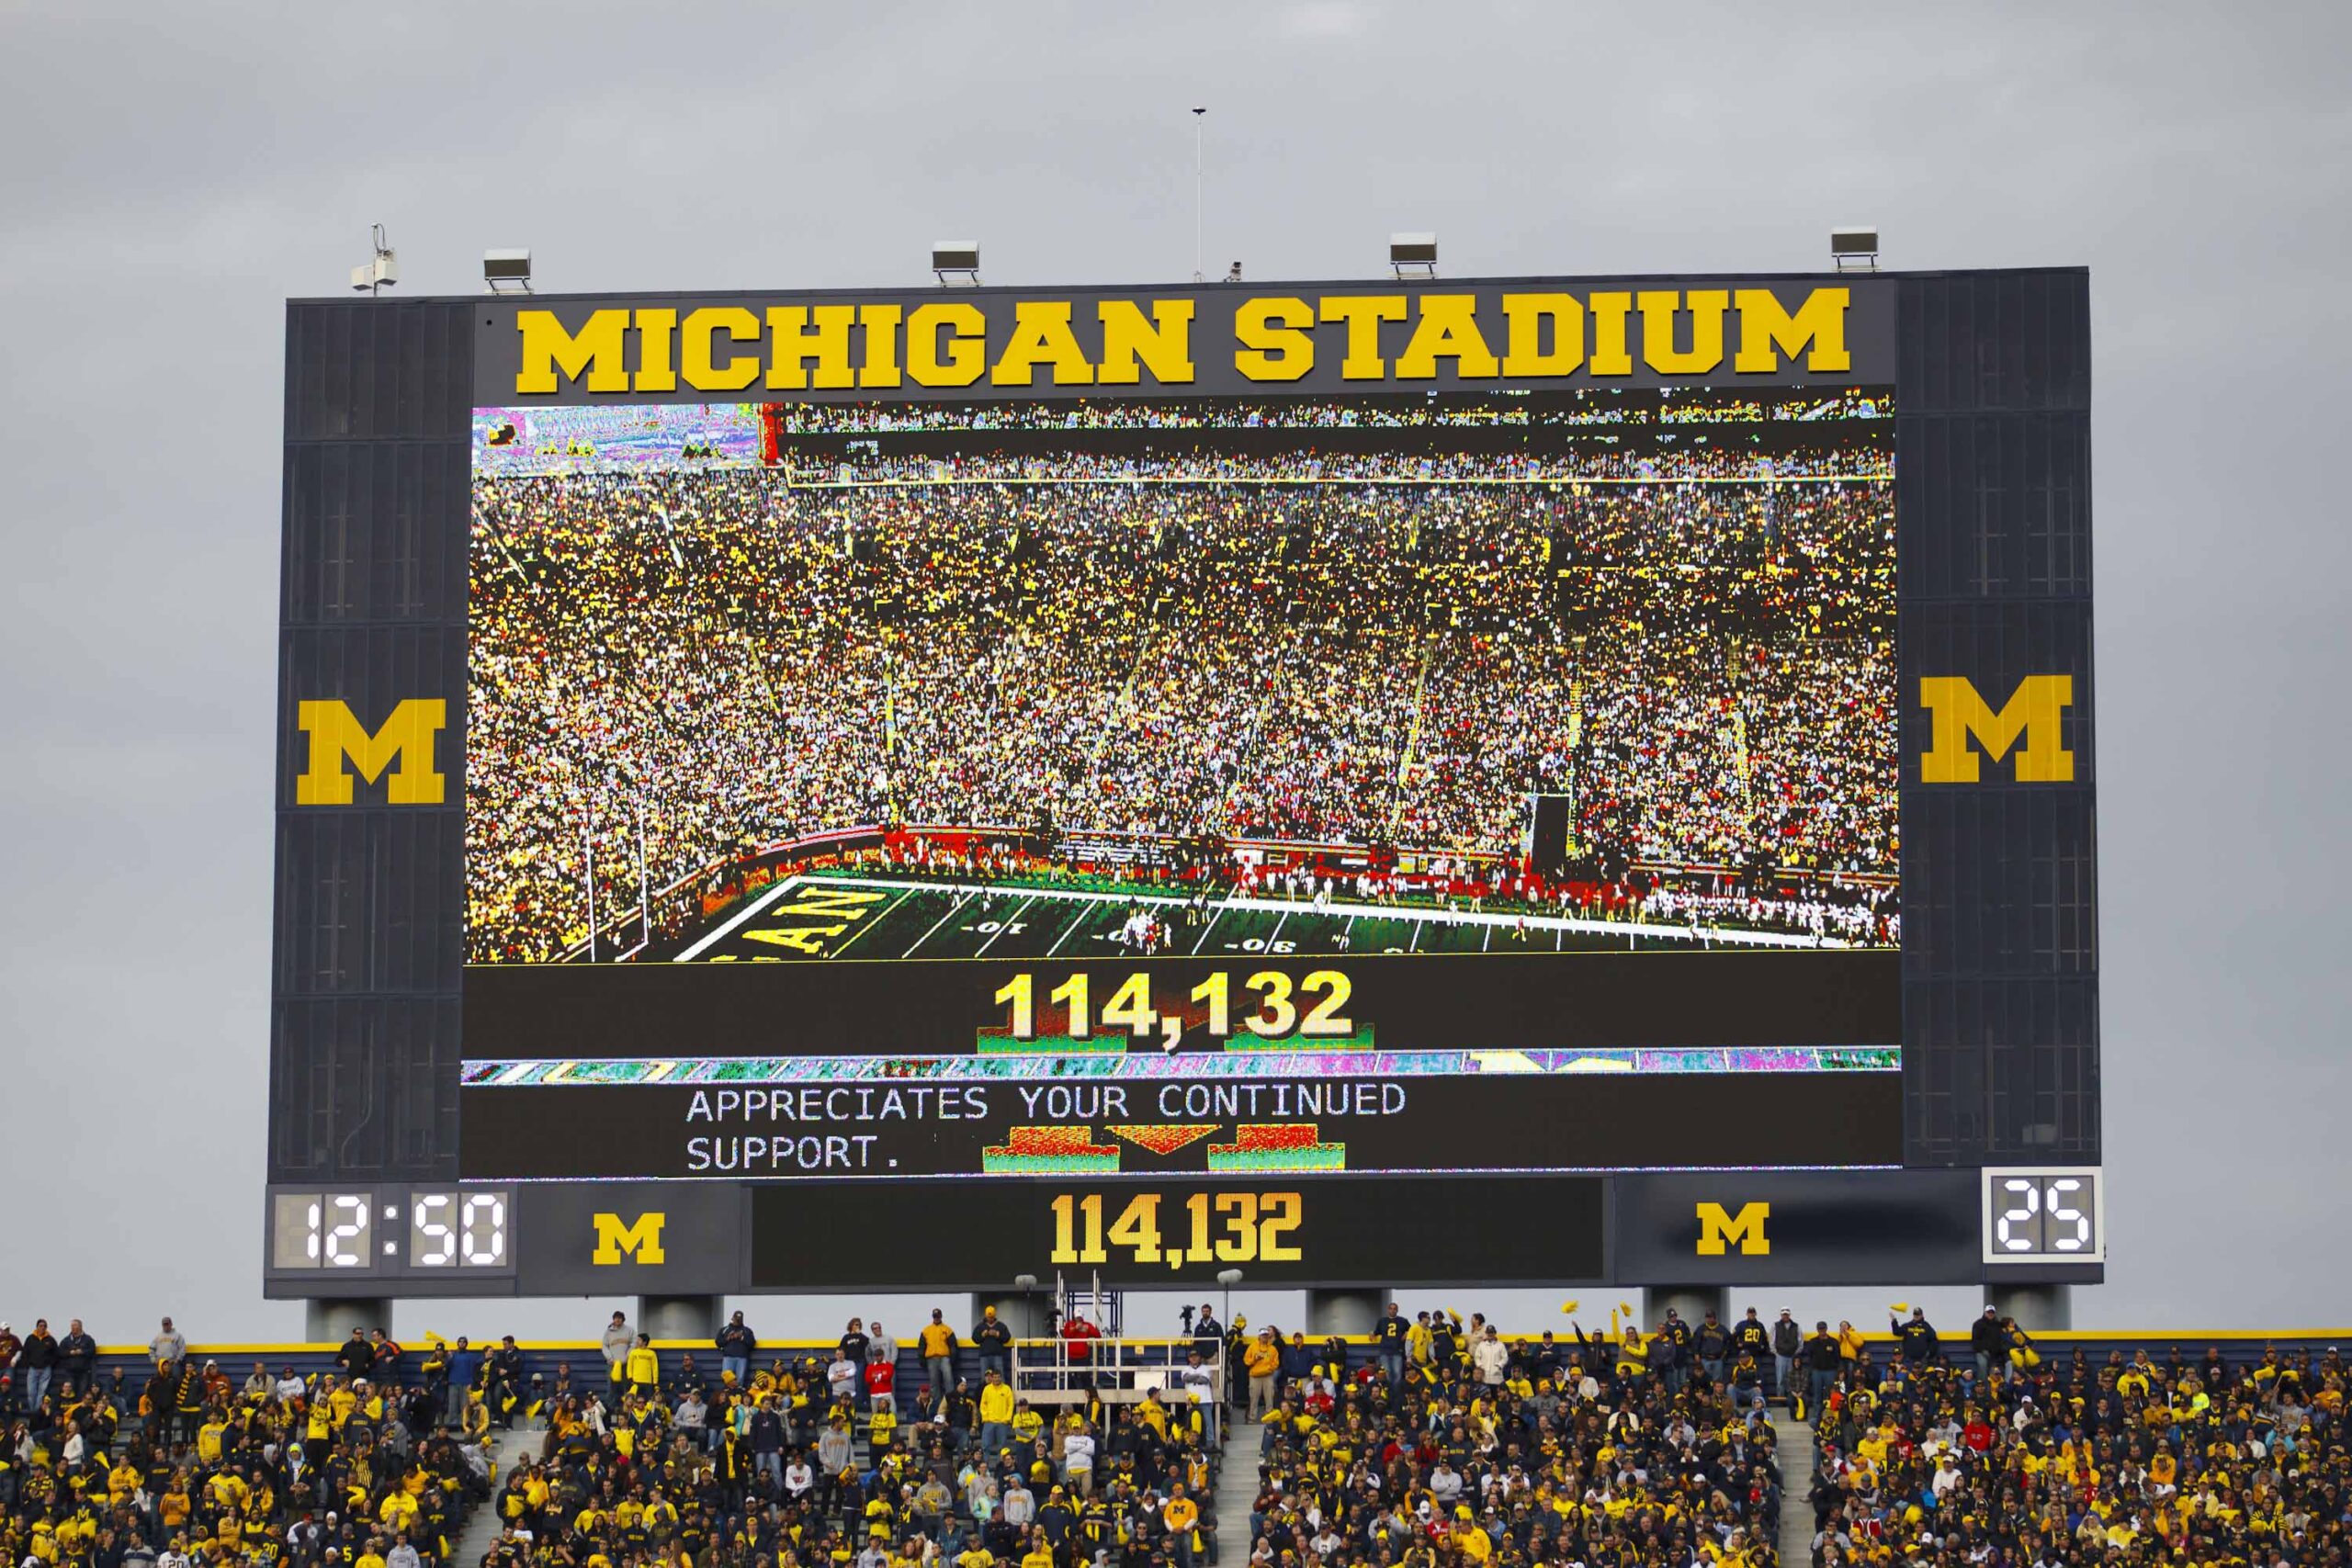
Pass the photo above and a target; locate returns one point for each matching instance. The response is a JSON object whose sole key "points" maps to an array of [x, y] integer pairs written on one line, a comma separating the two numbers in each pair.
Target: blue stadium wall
{"points": [[587, 1359]]}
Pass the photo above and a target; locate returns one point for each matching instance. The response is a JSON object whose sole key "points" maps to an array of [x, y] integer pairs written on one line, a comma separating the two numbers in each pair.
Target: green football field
{"points": [[846, 914]]}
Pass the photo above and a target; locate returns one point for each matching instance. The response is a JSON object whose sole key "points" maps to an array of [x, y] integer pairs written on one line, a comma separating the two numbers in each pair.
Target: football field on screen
{"points": [[845, 915]]}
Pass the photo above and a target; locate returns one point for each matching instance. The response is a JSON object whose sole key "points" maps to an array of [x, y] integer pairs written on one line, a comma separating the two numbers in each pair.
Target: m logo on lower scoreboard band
{"points": [[1958, 713], [1720, 1230], [640, 1240], [337, 736]]}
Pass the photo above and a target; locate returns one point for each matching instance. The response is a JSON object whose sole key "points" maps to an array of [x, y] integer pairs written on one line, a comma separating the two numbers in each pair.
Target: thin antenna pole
{"points": [[1200, 119]]}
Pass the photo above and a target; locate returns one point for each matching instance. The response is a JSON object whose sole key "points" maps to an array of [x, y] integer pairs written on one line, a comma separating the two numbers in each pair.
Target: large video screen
{"points": [[1383, 783]]}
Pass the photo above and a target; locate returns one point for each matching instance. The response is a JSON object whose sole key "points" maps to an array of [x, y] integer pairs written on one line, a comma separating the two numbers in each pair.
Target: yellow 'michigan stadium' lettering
{"points": [[949, 344]]}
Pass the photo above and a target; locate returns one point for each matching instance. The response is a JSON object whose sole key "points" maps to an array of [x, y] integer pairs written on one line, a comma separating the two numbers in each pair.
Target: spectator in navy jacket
{"points": [[37, 1363], [737, 1345], [77, 1358], [465, 1366]]}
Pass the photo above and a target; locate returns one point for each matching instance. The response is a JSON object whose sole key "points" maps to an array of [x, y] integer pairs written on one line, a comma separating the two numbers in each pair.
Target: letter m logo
{"points": [[337, 735], [1719, 1231], [1957, 714], [641, 1241]]}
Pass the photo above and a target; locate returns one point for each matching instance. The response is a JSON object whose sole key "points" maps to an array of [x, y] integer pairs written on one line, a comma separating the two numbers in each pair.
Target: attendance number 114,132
{"points": [[1270, 1006], [1226, 1227]]}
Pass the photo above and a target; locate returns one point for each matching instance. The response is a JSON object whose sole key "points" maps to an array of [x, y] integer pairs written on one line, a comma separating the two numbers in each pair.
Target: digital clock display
{"points": [[392, 1230], [458, 1229], [323, 1230]]}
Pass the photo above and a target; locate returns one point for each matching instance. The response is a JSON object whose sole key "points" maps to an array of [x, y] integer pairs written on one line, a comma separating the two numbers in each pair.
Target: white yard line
{"points": [[1064, 936], [753, 907], [874, 920], [1004, 925], [1203, 939], [942, 919]]}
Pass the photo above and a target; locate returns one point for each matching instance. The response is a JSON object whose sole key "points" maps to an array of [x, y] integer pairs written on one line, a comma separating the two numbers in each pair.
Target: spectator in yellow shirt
{"points": [[1262, 1359], [996, 1416], [1180, 1515], [938, 1343], [643, 1369]]}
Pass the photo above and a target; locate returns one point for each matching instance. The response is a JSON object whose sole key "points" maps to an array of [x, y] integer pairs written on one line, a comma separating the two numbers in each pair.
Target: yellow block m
{"points": [[407, 736], [641, 1241], [1955, 713], [1719, 1231]]}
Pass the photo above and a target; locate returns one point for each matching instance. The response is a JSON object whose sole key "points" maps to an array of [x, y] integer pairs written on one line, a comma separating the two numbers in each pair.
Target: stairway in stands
{"points": [[1794, 1451], [1236, 1488], [483, 1524]]}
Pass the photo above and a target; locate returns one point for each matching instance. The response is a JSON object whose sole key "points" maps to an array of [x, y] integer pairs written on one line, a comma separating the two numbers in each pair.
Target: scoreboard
{"points": [[1695, 1228], [1580, 779]]}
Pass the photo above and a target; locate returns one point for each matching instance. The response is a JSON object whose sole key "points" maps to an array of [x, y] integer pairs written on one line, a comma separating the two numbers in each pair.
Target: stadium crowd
{"points": [[1452, 1446], [670, 668], [1448, 1448], [1441, 1444], [2006, 1456], [189, 1464]]}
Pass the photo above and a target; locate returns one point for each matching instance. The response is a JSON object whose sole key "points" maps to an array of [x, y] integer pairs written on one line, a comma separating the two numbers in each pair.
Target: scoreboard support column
{"points": [[329, 1320], [679, 1317], [1343, 1311], [1023, 1311], [2037, 1308], [1693, 1301]]}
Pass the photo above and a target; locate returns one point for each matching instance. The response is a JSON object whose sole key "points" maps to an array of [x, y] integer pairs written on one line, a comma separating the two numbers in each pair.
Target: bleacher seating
{"points": [[1518, 1450]]}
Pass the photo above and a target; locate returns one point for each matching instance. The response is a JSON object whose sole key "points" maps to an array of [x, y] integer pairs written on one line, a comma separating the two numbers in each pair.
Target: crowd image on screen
{"points": [[1369, 414], [1222, 637]]}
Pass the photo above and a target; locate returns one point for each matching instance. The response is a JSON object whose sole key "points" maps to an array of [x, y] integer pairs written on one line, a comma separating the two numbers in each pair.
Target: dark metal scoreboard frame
{"points": [[1987, 1170]]}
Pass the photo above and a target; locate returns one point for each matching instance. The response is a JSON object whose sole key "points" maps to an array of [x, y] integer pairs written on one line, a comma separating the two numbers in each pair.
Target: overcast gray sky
{"points": [[172, 173]]}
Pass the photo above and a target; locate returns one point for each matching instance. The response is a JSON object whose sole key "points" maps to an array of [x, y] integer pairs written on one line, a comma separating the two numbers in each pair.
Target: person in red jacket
{"points": [[1077, 1336], [882, 1385]]}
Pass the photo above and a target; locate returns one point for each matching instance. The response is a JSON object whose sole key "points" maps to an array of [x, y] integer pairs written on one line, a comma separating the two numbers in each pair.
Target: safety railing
{"points": [[1118, 1371]]}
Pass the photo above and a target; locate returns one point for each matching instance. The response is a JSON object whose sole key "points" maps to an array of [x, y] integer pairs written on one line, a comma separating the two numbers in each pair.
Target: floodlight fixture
{"points": [[1413, 253], [1854, 247], [379, 273], [955, 259], [506, 271]]}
